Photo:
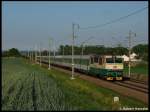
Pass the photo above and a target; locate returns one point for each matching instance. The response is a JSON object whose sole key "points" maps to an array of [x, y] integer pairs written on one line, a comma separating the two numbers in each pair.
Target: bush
{"points": [[13, 52]]}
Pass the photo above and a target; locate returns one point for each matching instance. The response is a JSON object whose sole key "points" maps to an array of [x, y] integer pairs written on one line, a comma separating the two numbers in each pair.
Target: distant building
{"points": [[125, 58], [132, 57]]}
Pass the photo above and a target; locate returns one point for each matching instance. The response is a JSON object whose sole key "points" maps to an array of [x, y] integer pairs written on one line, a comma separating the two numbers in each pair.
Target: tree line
{"points": [[99, 50], [141, 50]]}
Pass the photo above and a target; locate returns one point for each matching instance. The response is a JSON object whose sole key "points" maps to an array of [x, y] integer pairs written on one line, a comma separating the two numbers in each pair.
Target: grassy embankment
{"points": [[141, 68]]}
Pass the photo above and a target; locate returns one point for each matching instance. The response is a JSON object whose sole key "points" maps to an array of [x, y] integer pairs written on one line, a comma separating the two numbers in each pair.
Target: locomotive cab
{"points": [[108, 67], [114, 65]]}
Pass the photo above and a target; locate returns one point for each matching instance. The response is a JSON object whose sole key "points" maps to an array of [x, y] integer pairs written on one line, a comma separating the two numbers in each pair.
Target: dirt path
{"points": [[120, 89]]}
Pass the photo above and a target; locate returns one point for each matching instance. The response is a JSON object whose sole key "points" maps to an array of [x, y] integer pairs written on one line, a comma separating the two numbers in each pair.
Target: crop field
{"points": [[30, 87]]}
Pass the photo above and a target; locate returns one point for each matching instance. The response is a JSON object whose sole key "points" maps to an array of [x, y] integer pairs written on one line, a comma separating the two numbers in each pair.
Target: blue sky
{"points": [[26, 24]]}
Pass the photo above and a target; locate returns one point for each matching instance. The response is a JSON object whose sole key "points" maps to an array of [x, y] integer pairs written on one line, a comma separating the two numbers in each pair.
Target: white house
{"points": [[132, 57], [125, 58]]}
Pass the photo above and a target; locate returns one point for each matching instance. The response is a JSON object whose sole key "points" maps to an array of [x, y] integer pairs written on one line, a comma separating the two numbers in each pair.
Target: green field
{"points": [[30, 87], [139, 69]]}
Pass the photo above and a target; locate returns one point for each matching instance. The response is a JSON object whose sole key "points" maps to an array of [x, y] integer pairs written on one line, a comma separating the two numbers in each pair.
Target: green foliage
{"points": [[120, 51], [140, 68], [142, 51], [5, 53], [145, 56], [93, 50], [13, 52]]}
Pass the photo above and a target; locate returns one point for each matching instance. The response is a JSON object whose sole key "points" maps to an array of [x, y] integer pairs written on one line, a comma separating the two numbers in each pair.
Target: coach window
{"points": [[91, 60], [100, 61], [95, 59]]}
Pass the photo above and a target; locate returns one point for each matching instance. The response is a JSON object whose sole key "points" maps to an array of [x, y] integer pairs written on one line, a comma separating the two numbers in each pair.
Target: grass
{"points": [[101, 95], [30, 87], [138, 69]]}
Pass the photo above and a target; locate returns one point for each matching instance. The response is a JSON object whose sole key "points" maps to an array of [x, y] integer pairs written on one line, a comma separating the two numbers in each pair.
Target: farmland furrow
{"points": [[33, 93]]}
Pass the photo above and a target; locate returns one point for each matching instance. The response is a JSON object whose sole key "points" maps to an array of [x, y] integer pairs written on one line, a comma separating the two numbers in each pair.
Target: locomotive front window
{"points": [[109, 60], [114, 60], [92, 60], [118, 60], [100, 61], [95, 60]]}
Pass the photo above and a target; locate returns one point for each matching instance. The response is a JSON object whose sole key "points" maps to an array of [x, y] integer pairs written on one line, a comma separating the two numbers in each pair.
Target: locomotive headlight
{"points": [[114, 67]]}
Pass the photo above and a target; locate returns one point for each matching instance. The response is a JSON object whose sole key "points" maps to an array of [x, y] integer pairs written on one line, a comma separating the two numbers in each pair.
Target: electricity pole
{"points": [[73, 37], [63, 53], [72, 77], [49, 66], [54, 47], [30, 55], [130, 52], [35, 54], [40, 55]]}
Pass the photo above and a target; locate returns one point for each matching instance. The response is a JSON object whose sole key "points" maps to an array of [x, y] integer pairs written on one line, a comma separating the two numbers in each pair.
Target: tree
{"points": [[14, 52], [45, 52], [97, 49], [141, 50], [120, 50], [5, 53]]}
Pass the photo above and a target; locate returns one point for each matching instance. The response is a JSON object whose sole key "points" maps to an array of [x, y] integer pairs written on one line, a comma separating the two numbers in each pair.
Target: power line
{"points": [[116, 20]]}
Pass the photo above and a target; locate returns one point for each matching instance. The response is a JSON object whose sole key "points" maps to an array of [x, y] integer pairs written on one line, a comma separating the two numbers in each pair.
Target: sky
{"points": [[26, 25]]}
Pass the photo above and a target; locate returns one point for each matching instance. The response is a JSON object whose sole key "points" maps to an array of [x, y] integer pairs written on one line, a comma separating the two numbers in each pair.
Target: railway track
{"points": [[135, 86], [132, 84], [135, 80], [145, 86], [139, 81]]}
